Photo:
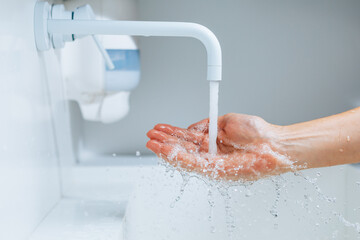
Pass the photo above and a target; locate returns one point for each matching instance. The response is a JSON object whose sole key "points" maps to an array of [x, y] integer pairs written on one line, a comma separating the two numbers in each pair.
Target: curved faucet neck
{"points": [[146, 28]]}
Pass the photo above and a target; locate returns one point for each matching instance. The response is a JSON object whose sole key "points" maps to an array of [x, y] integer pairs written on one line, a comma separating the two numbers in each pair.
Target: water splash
{"points": [[184, 183], [274, 208], [313, 182], [230, 219], [223, 187], [347, 223], [211, 202], [329, 200]]}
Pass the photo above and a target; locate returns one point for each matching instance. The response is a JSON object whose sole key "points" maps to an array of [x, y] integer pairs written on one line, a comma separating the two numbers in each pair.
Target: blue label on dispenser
{"points": [[126, 74], [128, 60]]}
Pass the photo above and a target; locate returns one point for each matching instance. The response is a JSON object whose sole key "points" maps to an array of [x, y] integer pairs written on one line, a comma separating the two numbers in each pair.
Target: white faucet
{"points": [[54, 26]]}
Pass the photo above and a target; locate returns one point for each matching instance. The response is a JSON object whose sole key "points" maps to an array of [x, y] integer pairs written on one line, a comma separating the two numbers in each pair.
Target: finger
{"points": [[202, 126], [166, 128], [188, 135], [182, 158], [157, 147], [170, 148], [181, 133], [154, 146], [165, 138], [176, 156], [161, 136], [162, 150], [184, 145]]}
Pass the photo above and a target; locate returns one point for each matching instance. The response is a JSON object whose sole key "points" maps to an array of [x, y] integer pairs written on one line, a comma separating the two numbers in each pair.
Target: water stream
{"points": [[213, 116]]}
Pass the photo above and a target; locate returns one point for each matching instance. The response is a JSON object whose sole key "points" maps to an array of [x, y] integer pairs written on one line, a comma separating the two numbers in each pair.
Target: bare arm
{"points": [[323, 142], [249, 148]]}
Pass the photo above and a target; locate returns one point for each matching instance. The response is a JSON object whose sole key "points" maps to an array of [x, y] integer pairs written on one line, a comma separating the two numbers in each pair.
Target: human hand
{"points": [[247, 148]]}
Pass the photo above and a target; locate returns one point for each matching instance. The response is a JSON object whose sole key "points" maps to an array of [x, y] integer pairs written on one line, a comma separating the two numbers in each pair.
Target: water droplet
{"points": [[137, 153], [274, 212], [318, 174], [248, 193], [348, 138], [341, 150], [186, 179], [114, 154], [347, 223]]}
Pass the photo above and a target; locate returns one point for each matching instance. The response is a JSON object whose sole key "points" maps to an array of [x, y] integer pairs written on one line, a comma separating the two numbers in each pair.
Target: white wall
{"points": [[29, 174], [285, 60]]}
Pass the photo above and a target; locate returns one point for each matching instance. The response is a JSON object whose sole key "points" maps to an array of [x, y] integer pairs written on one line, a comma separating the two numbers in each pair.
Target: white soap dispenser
{"points": [[102, 93], [125, 56]]}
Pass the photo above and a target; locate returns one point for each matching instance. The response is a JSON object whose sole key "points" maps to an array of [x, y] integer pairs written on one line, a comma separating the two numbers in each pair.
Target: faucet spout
{"points": [[147, 28]]}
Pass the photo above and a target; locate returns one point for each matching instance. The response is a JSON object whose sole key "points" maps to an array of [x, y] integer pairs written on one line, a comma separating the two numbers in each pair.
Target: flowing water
{"points": [[185, 182], [213, 116]]}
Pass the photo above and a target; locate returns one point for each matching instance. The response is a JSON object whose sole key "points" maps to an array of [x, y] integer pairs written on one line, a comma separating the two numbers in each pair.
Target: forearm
{"points": [[323, 142]]}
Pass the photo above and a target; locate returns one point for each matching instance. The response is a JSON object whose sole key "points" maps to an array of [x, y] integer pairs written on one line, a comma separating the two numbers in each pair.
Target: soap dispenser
{"points": [[99, 81], [102, 93], [99, 71]]}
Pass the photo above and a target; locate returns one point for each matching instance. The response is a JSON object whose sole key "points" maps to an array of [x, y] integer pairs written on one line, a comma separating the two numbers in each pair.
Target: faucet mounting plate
{"points": [[42, 14]]}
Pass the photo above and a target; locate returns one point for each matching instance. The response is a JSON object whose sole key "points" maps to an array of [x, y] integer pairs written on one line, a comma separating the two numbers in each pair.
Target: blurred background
{"points": [[286, 61], [66, 178]]}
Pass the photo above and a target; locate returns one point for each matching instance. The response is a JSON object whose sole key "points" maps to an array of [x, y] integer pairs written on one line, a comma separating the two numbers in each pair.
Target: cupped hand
{"points": [[247, 148]]}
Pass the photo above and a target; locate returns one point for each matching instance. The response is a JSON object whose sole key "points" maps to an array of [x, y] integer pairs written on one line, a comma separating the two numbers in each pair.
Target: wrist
{"points": [[298, 144], [329, 141]]}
